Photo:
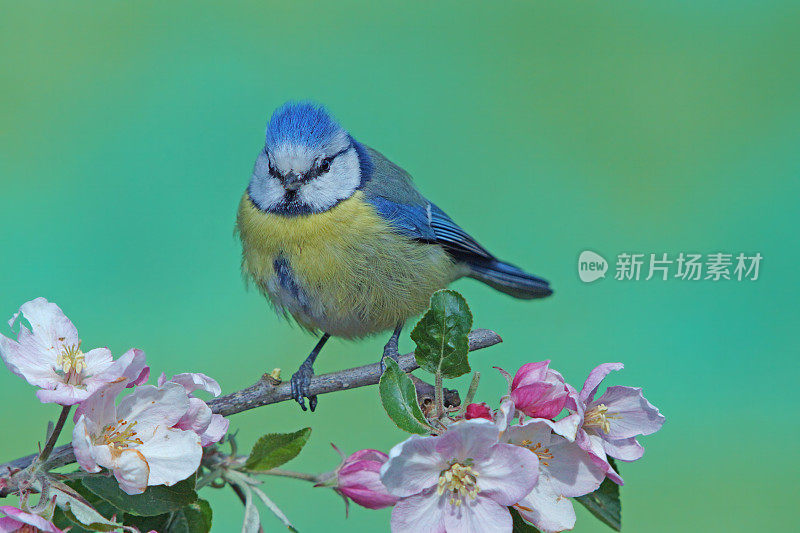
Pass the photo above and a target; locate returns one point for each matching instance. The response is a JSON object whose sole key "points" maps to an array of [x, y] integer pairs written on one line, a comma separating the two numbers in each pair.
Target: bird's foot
{"points": [[301, 381], [390, 350]]}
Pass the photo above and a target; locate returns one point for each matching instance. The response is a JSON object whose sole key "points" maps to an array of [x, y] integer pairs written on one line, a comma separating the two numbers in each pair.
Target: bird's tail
{"points": [[508, 278]]}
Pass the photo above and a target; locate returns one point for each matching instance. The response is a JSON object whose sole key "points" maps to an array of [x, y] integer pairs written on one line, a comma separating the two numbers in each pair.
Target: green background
{"points": [[128, 132]]}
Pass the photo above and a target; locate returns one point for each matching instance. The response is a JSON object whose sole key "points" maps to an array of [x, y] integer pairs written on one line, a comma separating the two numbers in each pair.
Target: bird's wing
{"points": [[392, 194]]}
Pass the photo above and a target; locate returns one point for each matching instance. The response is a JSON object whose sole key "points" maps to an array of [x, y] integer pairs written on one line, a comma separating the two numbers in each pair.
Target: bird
{"points": [[339, 239]]}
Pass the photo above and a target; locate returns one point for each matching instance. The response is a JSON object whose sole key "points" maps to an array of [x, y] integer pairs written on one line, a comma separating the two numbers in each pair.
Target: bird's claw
{"points": [[301, 382], [389, 351]]}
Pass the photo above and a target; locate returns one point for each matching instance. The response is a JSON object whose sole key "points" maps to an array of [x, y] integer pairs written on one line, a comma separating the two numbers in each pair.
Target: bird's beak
{"points": [[292, 181]]}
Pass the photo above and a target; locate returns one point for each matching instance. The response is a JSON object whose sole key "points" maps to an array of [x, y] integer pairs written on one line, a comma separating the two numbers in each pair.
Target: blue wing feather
{"points": [[428, 223]]}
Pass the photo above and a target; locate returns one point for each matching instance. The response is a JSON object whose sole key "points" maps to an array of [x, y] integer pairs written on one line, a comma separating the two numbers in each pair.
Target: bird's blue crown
{"points": [[301, 123]]}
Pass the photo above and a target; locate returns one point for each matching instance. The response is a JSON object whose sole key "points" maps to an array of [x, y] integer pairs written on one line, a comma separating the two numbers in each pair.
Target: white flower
{"points": [[137, 440], [463, 480], [199, 417], [49, 356], [565, 471]]}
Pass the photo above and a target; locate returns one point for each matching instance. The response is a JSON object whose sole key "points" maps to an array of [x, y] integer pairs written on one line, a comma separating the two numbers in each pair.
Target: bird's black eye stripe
{"points": [[272, 170], [325, 165]]}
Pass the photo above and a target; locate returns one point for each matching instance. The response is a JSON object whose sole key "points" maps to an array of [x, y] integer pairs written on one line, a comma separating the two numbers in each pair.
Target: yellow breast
{"points": [[358, 275]]}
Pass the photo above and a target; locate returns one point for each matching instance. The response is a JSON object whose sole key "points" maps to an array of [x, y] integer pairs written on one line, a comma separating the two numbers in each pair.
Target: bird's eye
{"points": [[325, 165], [272, 171]]}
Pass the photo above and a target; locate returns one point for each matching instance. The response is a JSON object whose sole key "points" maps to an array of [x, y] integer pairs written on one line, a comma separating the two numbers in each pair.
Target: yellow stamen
{"points": [[118, 437], [71, 359], [541, 452], [459, 481], [598, 416]]}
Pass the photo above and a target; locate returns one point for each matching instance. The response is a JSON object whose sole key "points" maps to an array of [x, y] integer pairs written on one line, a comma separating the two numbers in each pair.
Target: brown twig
{"points": [[265, 392]]}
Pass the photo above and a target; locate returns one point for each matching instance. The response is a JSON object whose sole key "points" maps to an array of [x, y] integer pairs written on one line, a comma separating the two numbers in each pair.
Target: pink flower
{"points": [[610, 423], [17, 520], [137, 440], [537, 391], [359, 478], [199, 417], [49, 356], [463, 480], [565, 471], [478, 410]]}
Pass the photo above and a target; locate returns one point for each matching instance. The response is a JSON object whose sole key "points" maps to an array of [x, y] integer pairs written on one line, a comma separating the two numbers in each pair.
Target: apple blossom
{"points": [[566, 426], [538, 391], [463, 480], [359, 479], [49, 356], [137, 440], [565, 470], [611, 422], [199, 418], [18, 521]]}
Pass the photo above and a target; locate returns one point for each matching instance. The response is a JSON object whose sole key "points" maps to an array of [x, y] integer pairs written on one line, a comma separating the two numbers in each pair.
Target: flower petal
{"points": [[132, 365], [505, 414], [132, 471], [193, 381], [478, 516], [215, 430], [82, 446], [623, 449], [98, 360], [419, 513], [629, 412], [571, 471], [596, 376], [197, 417], [413, 466], [507, 473], [63, 394], [593, 444], [99, 408], [530, 373], [153, 406], [28, 360], [49, 323], [467, 439], [546, 509], [173, 455], [21, 517]]}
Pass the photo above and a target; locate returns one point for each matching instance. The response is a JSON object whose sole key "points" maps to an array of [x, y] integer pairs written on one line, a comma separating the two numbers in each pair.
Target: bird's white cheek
{"points": [[337, 184], [266, 192]]}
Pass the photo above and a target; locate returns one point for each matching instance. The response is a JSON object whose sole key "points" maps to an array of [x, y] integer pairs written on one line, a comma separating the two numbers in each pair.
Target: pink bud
{"points": [[538, 391], [359, 478], [478, 410]]}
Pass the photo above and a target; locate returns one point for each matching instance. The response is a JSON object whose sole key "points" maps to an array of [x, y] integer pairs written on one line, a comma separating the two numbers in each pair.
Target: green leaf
{"points": [[274, 449], [441, 335], [194, 518], [147, 523], [79, 507], [154, 501], [519, 524], [604, 503], [399, 398]]}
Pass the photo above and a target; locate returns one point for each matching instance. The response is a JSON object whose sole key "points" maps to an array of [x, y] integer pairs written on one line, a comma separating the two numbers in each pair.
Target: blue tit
{"points": [[337, 237]]}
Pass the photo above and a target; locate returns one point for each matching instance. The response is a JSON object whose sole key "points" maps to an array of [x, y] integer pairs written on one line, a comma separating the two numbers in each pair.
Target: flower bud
{"points": [[538, 391], [359, 478], [478, 410]]}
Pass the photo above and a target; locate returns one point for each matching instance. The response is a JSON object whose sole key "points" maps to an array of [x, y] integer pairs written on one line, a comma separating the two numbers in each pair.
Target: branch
{"points": [[265, 392]]}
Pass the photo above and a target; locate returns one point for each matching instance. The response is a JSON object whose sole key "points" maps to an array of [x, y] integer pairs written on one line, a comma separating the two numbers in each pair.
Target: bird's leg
{"points": [[392, 347], [301, 380]]}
